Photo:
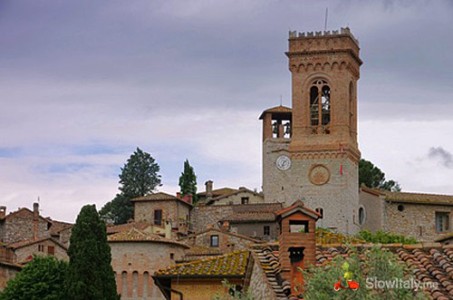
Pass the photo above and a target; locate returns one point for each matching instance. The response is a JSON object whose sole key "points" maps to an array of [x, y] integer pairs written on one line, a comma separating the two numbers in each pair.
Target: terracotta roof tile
{"points": [[277, 110], [219, 192], [250, 217], [143, 226], [25, 243], [229, 265], [418, 198], [136, 235], [160, 196]]}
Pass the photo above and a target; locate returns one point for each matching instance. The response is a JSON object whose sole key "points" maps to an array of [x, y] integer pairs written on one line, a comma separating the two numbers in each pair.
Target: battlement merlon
{"points": [[342, 40], [342, 31]]}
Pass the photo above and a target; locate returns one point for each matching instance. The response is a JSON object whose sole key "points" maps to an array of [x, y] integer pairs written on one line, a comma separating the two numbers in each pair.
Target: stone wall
{"points": [[338, 197], [256, 230], [173, 211], [416, 220], [135, 262], [205, 217], [42, 248], [7, 272], [374, 211], [259, 286], [237, 198], [19, 226], [228, 242]]}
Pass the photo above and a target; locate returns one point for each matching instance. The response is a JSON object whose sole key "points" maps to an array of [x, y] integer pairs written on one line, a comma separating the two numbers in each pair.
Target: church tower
{"points": [[310, 152]]}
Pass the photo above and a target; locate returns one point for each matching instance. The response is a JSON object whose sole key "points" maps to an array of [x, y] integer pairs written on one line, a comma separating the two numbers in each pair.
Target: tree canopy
{"points": [[372, 177], [90, 274], [138, 177], [188, 181], [42, 278]]}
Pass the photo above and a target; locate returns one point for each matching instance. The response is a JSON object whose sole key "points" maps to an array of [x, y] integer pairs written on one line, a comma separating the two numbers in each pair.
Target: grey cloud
{"points": [[445, 157]]}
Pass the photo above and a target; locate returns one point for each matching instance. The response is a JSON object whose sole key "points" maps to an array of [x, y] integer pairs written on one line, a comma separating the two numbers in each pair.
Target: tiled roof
{"points": [[216, 230], [298, 206], [58, 226], [250, 217], [25, 243], [128, 226], [136, 235], [270, 264], [418, 198], [232, 193], [218, 192], [277, 110], [229, 265], [160, 196], [444, 237], [257, 207]]}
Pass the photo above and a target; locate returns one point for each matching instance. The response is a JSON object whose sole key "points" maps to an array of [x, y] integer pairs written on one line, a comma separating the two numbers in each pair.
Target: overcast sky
{"points": [[83, 83]]}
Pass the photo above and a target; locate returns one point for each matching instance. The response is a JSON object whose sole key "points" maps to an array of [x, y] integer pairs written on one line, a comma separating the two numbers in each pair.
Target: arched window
{"points": [[320, 104], [362, 215]]}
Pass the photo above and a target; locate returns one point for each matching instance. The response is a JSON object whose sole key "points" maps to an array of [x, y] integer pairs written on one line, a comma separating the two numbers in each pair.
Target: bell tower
{"points": [[322, 150]]}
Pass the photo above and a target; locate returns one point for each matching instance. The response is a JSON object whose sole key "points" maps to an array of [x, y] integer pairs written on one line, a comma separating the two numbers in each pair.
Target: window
{"points": [[41, 248], [361, 215], [320, 211], [172, 256], [267, 230], [245, 200], [214, 241], [158, 217], [400, 207], [298, 226], [442, 221], [51, 250], [320, 104]]}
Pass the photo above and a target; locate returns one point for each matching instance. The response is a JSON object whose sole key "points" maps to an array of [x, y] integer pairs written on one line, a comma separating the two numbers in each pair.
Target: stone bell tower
{"points": [[313, 155]]}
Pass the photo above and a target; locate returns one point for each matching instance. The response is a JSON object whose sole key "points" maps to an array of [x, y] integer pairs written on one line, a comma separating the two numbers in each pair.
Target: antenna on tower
{"points": [[281, 101], [325, 20]]}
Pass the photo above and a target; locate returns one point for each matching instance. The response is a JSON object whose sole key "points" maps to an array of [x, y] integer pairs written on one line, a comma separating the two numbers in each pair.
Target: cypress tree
{"points": [[90, 275], [188, 181]]}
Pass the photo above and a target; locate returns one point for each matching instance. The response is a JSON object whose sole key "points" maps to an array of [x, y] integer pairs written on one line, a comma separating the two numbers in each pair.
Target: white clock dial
{"points": [[283, 162]]}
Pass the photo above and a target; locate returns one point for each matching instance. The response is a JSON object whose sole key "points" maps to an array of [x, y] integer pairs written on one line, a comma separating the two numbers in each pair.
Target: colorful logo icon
{"points": [[346, 282]]}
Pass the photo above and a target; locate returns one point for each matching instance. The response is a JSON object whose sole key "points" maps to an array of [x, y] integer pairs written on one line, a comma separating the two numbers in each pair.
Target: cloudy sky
{"points": [[83, 83]]}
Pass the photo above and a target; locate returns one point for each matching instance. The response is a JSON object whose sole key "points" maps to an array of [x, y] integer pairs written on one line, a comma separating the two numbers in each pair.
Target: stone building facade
{"points": [[160, 208], [310, 152], [23, 224], [425, 217], [25, 250]]}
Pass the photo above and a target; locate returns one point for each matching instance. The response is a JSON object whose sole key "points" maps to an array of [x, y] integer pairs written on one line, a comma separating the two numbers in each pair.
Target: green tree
{"points": [[138, 177], [119, 211], [90, 275], [42, 278], [371, 176], [188, 181]]}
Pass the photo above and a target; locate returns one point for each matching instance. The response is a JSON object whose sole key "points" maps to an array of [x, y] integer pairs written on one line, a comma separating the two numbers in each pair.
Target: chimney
{"points": [[226, 226], [2, 212], [209, 184], [178, 195], [35, 220]]}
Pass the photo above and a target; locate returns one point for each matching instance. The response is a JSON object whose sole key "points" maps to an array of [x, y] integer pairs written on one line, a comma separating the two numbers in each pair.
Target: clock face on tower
{"points": [[283, 162]]}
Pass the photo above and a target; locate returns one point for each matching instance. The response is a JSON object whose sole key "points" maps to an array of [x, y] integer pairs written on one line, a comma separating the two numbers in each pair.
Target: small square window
{"points": [[245, 200], [51, 250], [172, 256], [214, 241], [267, 230]]}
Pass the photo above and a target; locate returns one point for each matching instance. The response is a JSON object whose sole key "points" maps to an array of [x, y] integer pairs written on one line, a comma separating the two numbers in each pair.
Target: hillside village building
{"points": [[259, 241]]}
